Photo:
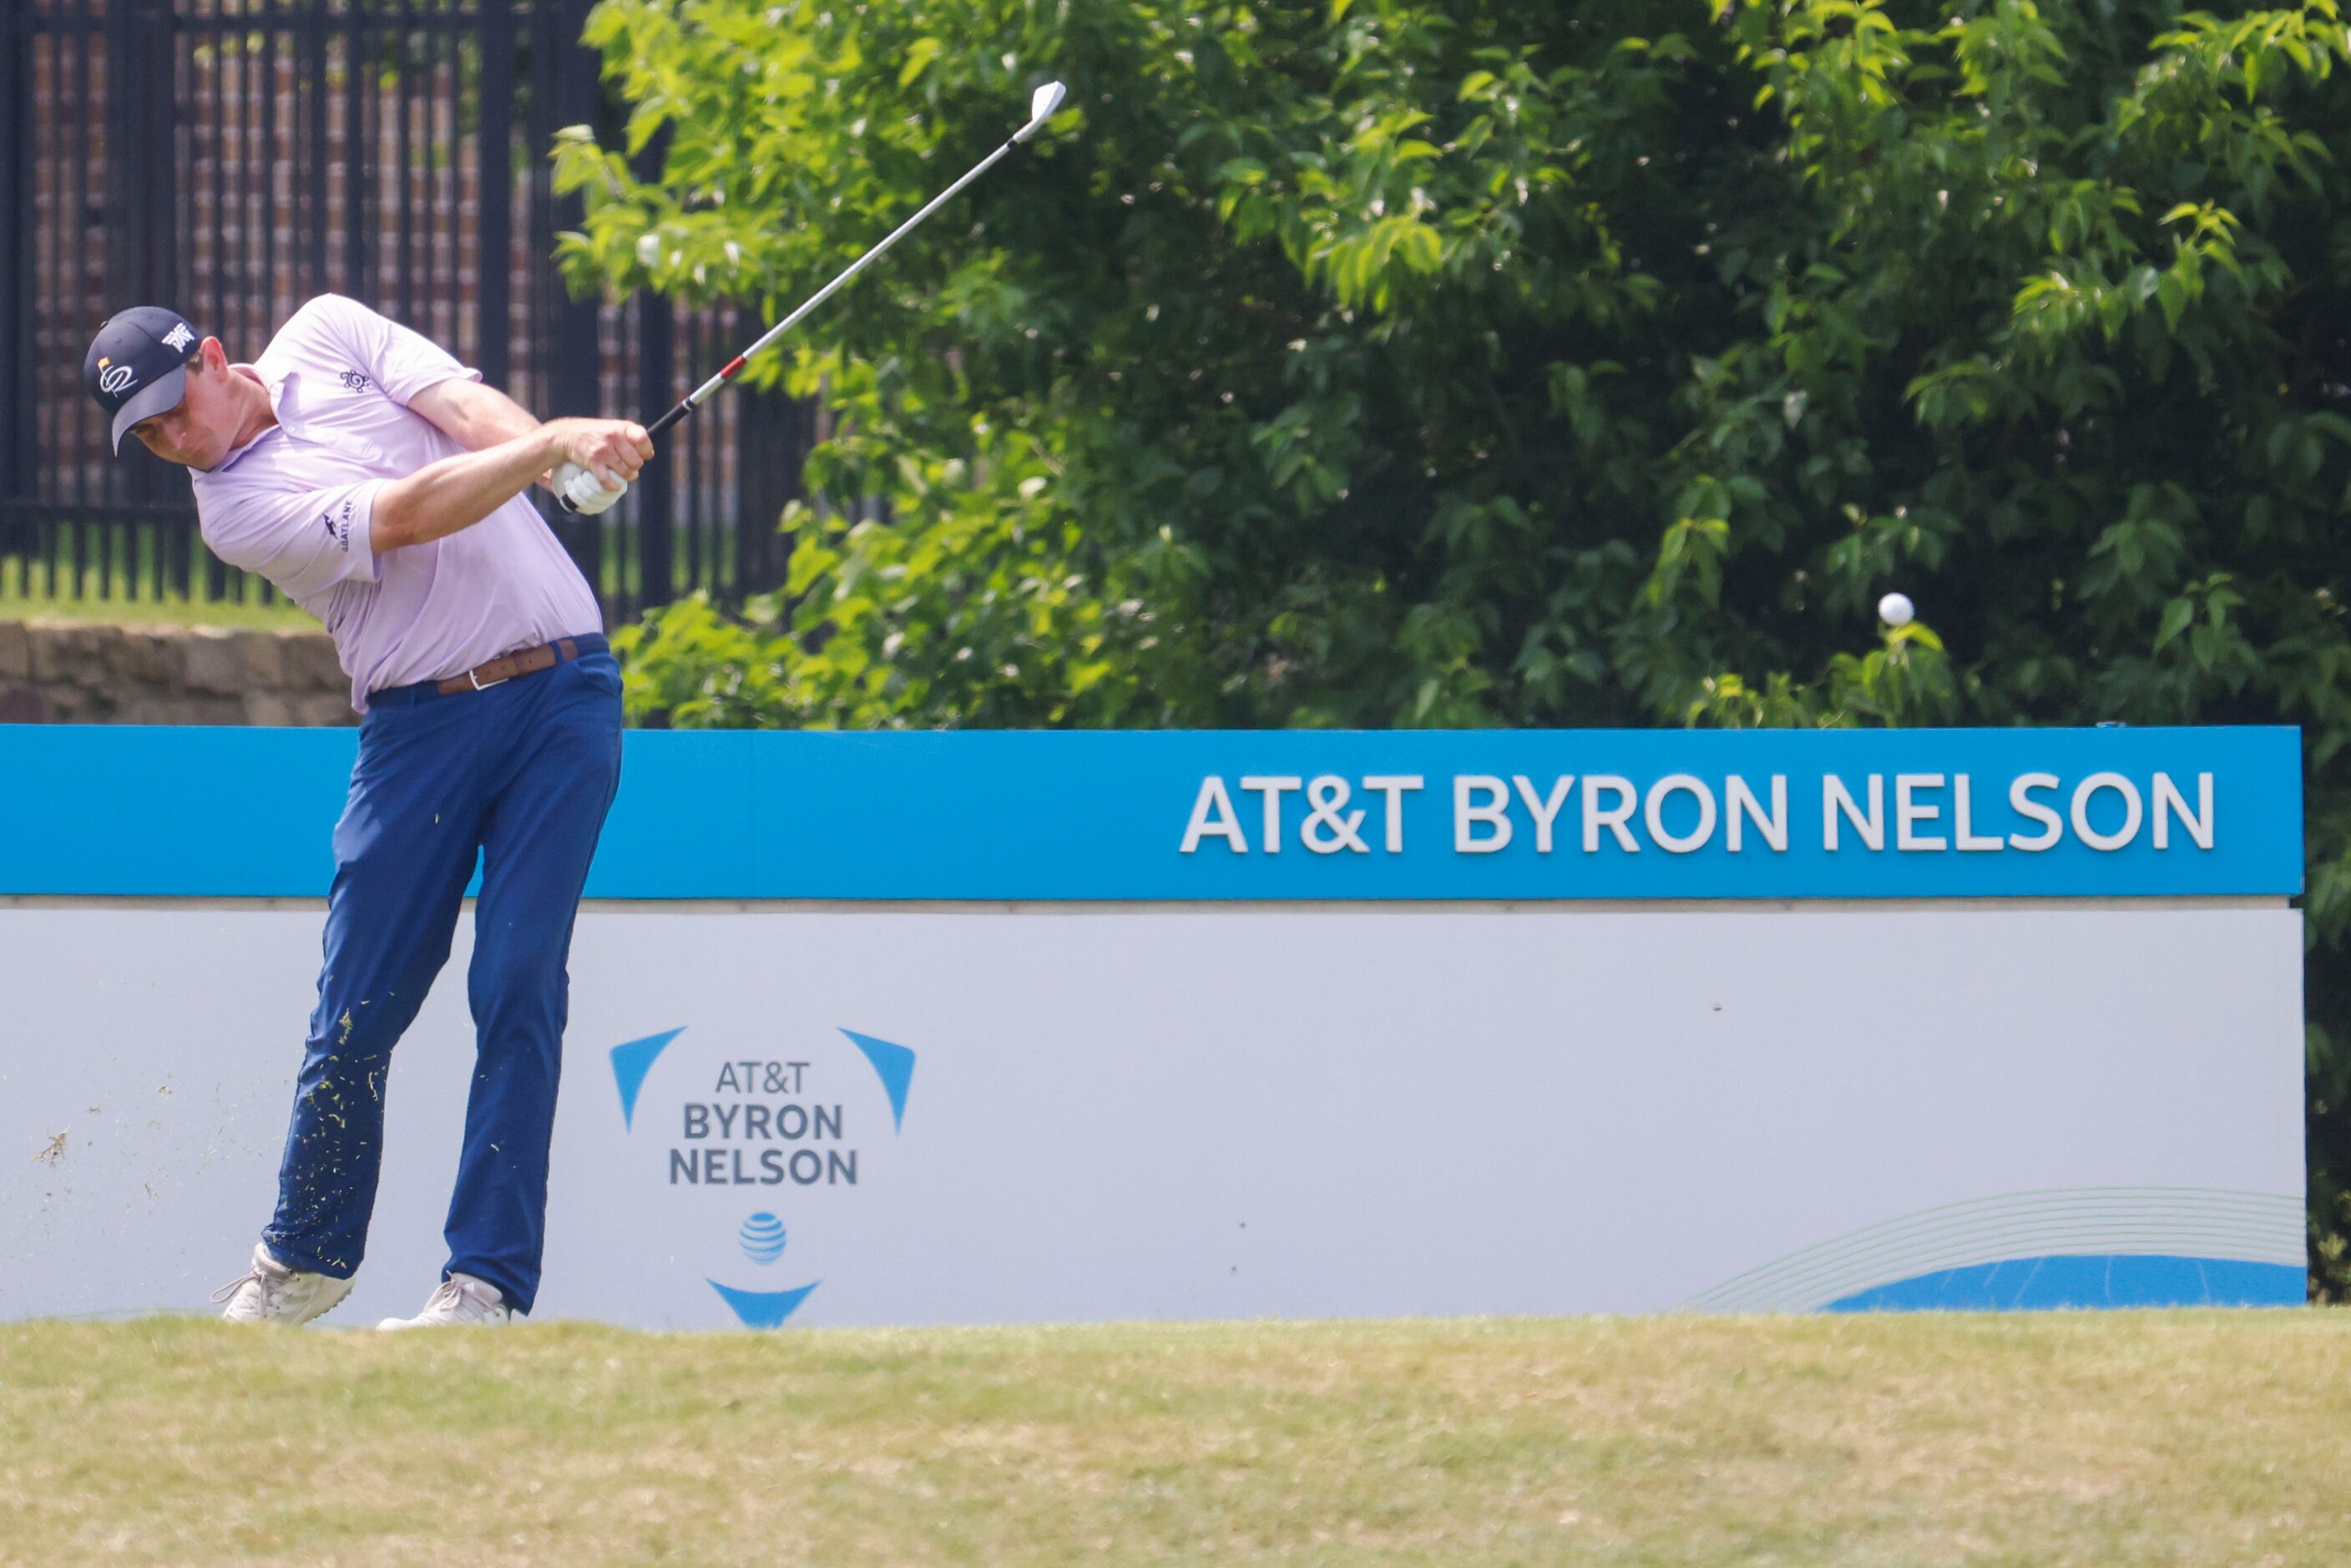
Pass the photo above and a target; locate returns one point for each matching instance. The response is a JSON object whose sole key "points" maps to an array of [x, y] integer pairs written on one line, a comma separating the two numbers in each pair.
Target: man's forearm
{"points": [[441, 499], [474, 416], [507, 451]]}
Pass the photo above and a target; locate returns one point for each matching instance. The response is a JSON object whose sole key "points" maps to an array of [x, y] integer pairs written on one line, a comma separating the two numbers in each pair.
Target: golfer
{"points": [[372, 478]]}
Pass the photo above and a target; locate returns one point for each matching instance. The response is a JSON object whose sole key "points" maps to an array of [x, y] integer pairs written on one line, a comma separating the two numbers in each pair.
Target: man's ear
{"points": [[213, 357]]}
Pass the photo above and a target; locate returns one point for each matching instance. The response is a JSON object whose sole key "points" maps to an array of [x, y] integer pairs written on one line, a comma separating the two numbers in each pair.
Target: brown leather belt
{"points": [[507, 666]]}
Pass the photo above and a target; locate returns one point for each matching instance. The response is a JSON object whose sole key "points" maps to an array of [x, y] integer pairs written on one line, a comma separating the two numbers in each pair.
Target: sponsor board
{"points": [[1220, 816], [779, 1117]]}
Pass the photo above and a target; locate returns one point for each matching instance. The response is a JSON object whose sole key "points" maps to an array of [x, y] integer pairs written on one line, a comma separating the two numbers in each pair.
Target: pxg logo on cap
{"points": [[137, 365]]}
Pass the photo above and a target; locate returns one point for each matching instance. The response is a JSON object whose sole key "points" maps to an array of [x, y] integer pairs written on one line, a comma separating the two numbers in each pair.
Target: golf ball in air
{"points": [[1895, 609]]}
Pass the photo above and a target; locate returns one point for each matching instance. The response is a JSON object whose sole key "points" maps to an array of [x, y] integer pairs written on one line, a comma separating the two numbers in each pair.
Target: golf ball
{"points": [[1895, 609]]}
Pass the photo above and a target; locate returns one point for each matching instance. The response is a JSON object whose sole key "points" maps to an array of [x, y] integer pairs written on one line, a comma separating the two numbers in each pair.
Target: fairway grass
{"points": [[2129, 1437]]}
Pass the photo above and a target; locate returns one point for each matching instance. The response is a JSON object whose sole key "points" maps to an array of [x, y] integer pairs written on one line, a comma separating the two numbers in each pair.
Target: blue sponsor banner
{"points": [[1268, 815]]}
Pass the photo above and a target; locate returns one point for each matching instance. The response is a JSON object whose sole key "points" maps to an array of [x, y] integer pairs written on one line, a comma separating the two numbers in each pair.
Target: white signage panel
{"points": [[1005, 1114]]}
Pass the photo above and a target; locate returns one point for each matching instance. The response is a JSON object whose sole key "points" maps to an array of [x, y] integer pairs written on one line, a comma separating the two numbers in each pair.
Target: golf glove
{"points": [[581, 492]]}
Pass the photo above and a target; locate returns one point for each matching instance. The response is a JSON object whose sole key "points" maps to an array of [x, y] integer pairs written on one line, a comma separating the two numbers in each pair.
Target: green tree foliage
{"points": [[1373, 362]]}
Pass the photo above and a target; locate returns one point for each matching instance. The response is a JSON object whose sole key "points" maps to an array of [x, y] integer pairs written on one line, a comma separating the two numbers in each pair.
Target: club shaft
{"points": [[734, 366]]}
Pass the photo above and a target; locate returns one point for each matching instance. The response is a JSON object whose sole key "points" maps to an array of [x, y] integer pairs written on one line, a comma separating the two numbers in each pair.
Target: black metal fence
{"points": [[232, 157]]}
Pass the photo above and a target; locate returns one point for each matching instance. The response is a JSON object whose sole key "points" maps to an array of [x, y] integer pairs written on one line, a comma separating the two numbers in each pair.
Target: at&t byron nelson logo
{"points": [[798, 1132]]}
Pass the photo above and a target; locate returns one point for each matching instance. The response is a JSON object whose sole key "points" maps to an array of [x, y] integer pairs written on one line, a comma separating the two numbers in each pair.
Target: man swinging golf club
{"points": [[371, 476], [363, 471]]}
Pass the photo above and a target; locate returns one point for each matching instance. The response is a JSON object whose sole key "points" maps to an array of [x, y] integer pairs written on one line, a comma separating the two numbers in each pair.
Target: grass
{"points": [[119, 569], [171, 612], [2155, 1438], [106, 575]]}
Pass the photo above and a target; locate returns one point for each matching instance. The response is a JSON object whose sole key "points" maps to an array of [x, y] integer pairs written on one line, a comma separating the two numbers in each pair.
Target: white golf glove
{"points": [[583, 493]]}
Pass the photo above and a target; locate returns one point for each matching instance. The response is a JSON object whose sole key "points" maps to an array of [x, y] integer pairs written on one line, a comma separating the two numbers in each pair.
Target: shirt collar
{"points": [[276, 386]]}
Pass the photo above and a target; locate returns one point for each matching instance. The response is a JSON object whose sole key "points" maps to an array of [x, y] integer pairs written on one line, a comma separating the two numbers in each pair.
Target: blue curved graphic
{"points": [[2102, 1279], [762, 1238], [895, 1066], [631, 1063], [2120, 1246], [763, 1309]]}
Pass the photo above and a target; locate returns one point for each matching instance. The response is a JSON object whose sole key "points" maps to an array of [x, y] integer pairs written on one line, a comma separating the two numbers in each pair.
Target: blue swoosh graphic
{"points": [[763, 1309], [2093, 1280], [631, 1063], [894, 1064]]}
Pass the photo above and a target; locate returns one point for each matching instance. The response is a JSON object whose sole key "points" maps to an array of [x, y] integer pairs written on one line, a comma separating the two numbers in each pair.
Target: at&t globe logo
{"points": [[762, 1238]]}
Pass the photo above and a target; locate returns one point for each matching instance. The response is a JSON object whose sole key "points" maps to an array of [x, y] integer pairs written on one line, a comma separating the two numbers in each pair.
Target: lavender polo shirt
{"points": [[296, 505]]}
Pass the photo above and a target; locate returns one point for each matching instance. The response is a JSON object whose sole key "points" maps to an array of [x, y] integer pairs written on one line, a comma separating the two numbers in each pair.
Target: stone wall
{"points": [[54, 672]]}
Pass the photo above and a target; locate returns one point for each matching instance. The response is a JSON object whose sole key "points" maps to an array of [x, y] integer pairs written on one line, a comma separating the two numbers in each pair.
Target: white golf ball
{"points": [[1896, 610]]}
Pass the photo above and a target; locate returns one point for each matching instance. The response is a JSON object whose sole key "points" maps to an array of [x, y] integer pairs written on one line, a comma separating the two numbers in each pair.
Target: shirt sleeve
{"points": [[402, 361], [305, 541]]}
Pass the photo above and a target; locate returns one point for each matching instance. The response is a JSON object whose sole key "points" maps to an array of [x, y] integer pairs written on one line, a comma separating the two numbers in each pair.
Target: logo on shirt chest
{"points": [[355, 382]]}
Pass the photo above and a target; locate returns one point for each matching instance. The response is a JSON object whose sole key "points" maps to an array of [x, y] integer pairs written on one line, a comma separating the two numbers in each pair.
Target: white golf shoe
{"points": [[272, 1292], [461, 1299]]}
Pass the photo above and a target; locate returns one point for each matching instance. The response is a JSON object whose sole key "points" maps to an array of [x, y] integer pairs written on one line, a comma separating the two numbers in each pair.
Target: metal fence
{"points": [[232, 157]]}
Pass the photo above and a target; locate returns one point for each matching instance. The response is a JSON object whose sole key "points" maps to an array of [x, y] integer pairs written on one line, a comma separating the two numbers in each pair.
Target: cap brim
{"points": [[154, 398]]}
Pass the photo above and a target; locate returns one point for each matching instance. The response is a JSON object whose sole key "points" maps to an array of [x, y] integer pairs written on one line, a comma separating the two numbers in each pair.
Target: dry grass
{"points": [[2058, 1439]]}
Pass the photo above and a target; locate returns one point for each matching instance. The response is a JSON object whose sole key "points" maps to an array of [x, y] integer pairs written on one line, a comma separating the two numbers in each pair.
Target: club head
{"points": [[1042, 104]]}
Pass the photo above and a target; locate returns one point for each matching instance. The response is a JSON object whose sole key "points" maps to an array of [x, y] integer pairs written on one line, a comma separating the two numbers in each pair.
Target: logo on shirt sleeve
{"points": [[355, 382], [338, 529]]}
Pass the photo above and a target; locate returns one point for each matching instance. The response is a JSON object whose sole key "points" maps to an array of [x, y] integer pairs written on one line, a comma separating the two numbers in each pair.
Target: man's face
{"points": [[199, 433]]}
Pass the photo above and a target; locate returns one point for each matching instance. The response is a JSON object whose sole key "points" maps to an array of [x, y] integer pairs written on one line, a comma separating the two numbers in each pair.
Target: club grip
{"points": [[580, 492], [583, 487]]}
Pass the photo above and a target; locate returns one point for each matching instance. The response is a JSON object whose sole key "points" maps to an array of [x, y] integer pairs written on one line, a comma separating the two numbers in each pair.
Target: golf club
{"points": [[580, 486]]}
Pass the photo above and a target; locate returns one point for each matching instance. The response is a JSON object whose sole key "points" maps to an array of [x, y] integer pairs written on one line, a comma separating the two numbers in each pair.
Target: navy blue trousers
{"points": [[521, 775]]}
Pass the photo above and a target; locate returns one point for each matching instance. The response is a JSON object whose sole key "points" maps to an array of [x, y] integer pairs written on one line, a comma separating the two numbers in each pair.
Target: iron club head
{"points": [[1042, 104]]}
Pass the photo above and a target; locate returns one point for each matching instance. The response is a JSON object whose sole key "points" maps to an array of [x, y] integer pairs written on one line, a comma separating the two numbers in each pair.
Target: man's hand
{"points": [[609, 448]]}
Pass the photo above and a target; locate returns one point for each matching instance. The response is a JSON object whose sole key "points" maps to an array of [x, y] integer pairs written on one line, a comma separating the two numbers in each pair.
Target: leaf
{"points": [[1420, 247], [2172, 293], [919, 56], [2176, 617]]}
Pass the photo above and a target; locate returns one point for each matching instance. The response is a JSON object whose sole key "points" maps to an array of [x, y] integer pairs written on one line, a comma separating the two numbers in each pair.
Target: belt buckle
{"points": [[475, 675]]}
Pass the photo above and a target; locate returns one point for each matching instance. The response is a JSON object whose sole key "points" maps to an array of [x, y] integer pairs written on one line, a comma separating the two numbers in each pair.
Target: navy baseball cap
{"points": [[137, 365]]}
